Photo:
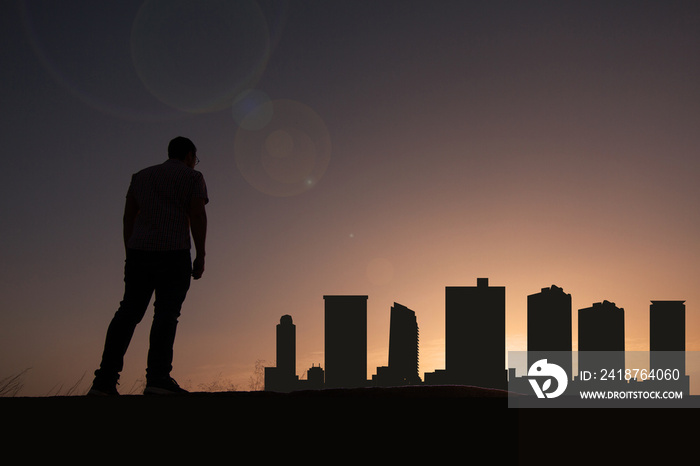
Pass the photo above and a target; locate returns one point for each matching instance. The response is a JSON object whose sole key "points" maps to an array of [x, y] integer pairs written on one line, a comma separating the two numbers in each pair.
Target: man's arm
{"points": [[131, 210], [198, 225]]}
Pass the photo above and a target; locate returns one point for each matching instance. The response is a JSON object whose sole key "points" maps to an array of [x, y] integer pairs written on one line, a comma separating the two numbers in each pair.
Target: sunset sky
{"points": [[386, 148]]}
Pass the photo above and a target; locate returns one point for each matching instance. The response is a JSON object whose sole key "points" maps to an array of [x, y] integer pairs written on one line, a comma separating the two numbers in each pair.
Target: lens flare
{"points": [[198, 56], [289, 154], [86, 50], [251, 110]]}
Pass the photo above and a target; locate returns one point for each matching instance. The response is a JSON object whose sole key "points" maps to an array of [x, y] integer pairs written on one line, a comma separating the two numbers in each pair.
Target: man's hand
{"points": [[198, 267]]}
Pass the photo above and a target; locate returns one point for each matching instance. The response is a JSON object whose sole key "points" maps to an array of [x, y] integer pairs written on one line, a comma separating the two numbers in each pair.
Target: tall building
{"points": [[403, 350], [667, 335], [601, 338], [286, 347], [549, 328], [282, 377], [403, 344], [345, 341], [475, 335]]}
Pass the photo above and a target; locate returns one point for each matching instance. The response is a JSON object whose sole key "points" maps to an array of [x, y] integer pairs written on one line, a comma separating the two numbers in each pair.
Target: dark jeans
{"points": [[145, 272]]}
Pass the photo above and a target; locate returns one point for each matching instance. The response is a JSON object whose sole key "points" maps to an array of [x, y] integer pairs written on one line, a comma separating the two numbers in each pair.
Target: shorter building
{"points": [[601, 338], [601, 327], [314, 378]]}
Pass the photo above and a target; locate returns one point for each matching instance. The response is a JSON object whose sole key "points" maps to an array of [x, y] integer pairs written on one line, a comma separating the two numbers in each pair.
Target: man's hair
{"points": [[180, 147]]}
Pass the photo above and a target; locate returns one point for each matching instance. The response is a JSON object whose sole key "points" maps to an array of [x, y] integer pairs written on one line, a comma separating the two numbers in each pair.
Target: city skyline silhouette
{"points": [[385, 150], [477, 323], [437, 142]]}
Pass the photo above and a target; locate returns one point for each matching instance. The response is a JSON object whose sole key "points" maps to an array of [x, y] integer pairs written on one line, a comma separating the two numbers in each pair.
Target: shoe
{"points": [[165, 386], [100, 388]]}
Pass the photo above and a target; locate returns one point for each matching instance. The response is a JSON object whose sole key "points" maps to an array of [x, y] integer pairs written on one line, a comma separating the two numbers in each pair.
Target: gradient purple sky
{"points": [[408, 146]]}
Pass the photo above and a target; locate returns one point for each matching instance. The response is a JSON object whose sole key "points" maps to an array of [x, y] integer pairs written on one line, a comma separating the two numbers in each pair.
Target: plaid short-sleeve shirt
{"points": [[163, 194]]}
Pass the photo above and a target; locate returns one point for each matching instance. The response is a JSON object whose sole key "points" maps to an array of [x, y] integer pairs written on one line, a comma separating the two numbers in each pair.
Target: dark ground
{"points": [[430, 425]]}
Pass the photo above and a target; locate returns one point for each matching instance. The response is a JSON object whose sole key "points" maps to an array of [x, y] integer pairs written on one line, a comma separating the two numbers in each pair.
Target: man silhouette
{"points": [[163, 204]]}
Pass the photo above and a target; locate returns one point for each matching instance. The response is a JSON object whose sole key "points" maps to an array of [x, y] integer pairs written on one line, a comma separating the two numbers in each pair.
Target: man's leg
{"points": [[138, 290], [171, 290]]}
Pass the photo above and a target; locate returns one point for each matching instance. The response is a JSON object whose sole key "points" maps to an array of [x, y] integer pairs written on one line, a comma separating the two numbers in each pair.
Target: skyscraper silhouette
{"points": [[667, 326], [667, 335], [345, 340], [283, 376], [601, 337], [286, 347], [549, 328], [475, 335], [403, 350], [601, 327]]}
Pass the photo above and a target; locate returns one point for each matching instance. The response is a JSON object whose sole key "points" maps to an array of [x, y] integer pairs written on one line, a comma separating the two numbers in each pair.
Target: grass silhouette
{"points": [[13, 384]]}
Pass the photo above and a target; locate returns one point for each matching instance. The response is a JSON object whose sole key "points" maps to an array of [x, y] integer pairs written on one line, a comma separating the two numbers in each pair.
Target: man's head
{"points": [[183, 149]]}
